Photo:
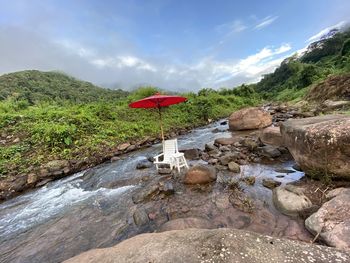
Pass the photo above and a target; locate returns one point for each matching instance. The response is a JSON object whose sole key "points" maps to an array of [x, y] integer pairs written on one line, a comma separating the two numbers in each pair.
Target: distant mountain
{"points": [[36, 86]]}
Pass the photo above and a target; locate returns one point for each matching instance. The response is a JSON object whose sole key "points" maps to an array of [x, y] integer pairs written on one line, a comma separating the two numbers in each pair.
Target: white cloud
{"points": [[231, 73], [127, 70], [230, 28], [324, 31], [266, 22]]}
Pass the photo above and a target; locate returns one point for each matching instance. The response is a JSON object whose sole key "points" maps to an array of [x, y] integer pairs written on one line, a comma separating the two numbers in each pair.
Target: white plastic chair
{"points": [[171, 156]]}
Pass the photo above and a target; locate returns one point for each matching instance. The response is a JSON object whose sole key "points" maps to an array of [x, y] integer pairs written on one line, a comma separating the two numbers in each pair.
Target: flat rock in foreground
{"points": [[218, 245], [320, 145], [332, 220]]}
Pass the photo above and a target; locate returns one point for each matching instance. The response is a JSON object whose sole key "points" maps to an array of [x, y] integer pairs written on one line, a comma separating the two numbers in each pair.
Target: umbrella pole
{"points": [[161, 123]]}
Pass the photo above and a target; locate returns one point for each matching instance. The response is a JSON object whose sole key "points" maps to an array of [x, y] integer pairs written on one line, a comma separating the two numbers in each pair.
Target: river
{"points": [[80, 212]]}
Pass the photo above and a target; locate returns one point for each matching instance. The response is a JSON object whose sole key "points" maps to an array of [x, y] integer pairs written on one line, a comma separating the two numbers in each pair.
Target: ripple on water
{"points": [[35, 208]]}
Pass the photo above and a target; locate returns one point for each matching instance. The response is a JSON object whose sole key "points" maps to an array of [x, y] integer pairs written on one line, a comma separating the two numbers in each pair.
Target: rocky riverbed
{"points": [[236, 180]]}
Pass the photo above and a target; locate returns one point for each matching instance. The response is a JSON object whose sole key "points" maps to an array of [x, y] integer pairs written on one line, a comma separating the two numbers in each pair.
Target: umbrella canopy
{"points": [[157, 101]]}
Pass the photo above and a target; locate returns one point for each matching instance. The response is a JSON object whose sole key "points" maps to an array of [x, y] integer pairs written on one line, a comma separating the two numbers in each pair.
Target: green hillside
{"points": [[322, 59], [36, 86]]}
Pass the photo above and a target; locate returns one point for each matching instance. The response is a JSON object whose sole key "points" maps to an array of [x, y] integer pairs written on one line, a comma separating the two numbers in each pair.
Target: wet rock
{"points": [[210, 147], [249, 118], [200, 174], [166, 187], [228, 157], [270, 183], [213, 161], [216, 245], [269, 151], [225, 141], [115, 158], [56, 165], [290, 200], [223, 122], [43, 182], [123, 146], [271, 136], [234, 167], [320, 145], [250, 143], [249, 180], [214, 153], [140, 217], [224, 148], [296, 167], [184, 223], [143, 164], [32, 178], [191, 154], [332, 220], [164, 171], [131, 148], [145, 193], [284, 171]]}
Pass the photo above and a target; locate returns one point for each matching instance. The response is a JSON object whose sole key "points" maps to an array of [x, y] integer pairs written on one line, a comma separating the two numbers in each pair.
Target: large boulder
{"points": [[249, 119], [332, 221], [320, 145], [200, 174], [184, 223], [216, 245], [272, 136], [290, 200]]}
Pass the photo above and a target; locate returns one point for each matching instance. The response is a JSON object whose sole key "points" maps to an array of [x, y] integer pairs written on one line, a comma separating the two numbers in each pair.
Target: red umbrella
{"points": [[158, 101]]}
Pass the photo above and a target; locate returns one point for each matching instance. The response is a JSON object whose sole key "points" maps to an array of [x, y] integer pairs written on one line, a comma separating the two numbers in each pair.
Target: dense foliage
{"points": [[37, 86], [34, 133], [323, 58]]}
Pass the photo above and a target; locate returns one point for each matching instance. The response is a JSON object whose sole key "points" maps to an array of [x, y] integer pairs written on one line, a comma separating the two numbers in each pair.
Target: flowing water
{"points": [[80, 212]]}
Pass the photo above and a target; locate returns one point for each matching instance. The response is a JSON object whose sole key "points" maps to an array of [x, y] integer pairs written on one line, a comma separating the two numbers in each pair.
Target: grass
{"points": [[34, 134]]}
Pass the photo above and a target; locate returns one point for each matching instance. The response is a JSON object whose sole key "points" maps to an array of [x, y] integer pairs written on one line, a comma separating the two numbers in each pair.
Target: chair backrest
{"points": [[169, 148]]}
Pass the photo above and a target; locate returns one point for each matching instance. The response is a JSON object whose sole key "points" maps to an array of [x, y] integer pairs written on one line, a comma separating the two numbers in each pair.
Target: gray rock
{"points": [[269, 151], [191, 154], [228, 157], [140, 217], [145, 193], [143, 164], [332, 220], [234, 167], [270, 183], [209, 147], [290, 200], [216, 245], [224, 148]]}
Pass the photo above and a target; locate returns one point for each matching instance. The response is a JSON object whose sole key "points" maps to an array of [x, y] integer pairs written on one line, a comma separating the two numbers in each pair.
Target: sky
{"points": [[175, 45]]}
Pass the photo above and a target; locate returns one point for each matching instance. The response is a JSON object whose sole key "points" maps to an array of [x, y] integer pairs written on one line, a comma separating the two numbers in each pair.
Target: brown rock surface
{"points": [[249, 119], [271, 135], [218, 245], [332, 220], [200, 174], [320, 145], [184, 223]]}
